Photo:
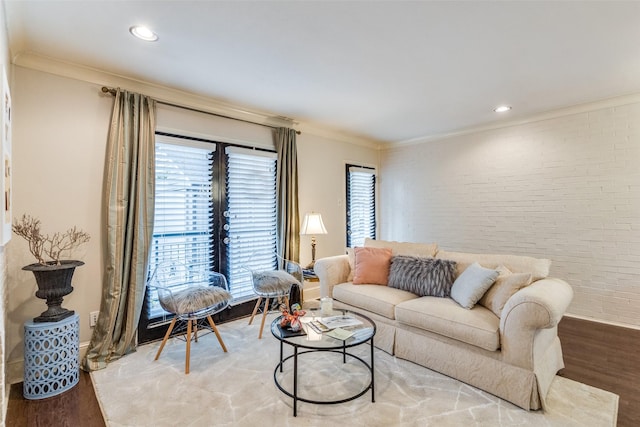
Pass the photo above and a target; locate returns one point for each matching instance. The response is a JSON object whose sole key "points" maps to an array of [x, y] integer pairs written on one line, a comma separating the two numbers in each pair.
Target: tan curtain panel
{"points": [[128, 203], [288, 237]]}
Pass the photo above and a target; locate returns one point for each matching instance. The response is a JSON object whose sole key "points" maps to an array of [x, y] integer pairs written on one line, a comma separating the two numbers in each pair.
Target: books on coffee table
{"points": [[326, 324], [341, 334], [341, 321], [286, 332], [317, 326]]}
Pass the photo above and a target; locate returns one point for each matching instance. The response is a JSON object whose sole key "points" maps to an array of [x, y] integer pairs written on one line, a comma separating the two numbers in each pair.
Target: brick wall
{"points": [[566, 188]]}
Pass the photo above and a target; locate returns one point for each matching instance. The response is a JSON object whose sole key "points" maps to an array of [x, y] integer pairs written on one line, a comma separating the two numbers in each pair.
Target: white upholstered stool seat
{"points": [[192, 297], [275, 283]]}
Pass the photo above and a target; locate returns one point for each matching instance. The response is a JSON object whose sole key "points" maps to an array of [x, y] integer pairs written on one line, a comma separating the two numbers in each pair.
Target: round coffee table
{"points": [[313, 341]]}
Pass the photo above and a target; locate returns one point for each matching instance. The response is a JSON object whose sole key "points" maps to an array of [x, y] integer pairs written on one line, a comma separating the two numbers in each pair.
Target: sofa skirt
{"points": [[469, 365], [473, 365]]}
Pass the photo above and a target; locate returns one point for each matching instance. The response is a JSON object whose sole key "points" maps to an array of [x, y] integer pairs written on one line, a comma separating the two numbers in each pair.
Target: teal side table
{"points": [[51, 362]]}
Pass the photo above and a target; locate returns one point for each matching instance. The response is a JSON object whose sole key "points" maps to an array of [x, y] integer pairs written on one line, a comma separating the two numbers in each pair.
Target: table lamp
{"points": [[312, 225]]}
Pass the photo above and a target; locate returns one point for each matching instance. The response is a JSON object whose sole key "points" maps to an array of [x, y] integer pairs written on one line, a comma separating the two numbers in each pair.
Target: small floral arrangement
{"points": [[291, 320]]}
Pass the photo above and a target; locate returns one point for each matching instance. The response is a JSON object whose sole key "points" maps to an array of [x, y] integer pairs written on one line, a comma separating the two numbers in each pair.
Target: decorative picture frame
{"points": [[5, 159]]}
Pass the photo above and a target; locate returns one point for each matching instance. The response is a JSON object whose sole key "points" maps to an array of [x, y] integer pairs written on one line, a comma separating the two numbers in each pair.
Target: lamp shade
{"points": [[312, 224]]}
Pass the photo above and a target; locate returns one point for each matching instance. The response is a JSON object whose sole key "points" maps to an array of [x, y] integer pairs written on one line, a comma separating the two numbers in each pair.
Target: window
{"points": [[250, 216], [361, 204], [183, 228], [213, 212]]}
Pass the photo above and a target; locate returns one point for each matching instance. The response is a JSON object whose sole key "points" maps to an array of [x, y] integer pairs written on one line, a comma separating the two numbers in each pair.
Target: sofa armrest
{"points": [[538, 306], [331, 271]]}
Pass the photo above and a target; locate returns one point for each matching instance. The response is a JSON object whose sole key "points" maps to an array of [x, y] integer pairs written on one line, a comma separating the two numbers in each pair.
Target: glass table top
{"points": [[337, 323]]}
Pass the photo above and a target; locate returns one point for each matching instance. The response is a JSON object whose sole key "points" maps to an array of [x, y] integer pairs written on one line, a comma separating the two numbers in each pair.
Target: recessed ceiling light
{"points": [[143, 33], [502, 109]]}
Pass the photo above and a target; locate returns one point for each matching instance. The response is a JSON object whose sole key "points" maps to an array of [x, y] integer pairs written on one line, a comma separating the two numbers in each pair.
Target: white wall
{"points": [[60, 133], [322, 162], [59, 139], [566, 188], [4, 386]]}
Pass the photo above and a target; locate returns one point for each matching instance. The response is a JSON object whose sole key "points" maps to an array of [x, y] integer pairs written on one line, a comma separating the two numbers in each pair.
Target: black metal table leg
{"points": [[373, 394], [295, 380], [302, 346]]}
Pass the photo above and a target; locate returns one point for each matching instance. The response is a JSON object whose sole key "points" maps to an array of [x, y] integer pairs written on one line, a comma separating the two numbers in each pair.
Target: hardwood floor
{"points": [[73, 408], [606, 357], [603, 356]]}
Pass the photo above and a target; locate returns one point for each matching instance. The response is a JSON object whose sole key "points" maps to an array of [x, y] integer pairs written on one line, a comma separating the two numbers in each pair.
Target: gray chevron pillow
{"points": [[422, 276]]}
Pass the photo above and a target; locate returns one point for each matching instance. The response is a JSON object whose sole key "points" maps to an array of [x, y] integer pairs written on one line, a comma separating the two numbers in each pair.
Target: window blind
{"points": [[250, 216], [183, 228], [361, 206]]}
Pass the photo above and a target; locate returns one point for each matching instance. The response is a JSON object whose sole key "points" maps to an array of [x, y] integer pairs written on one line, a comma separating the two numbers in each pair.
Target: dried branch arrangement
{"points": [[41, 245]]}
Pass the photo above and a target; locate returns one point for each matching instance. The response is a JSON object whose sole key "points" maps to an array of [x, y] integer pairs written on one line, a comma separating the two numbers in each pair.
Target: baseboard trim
{"points": [[604, 322], [15, 368]]}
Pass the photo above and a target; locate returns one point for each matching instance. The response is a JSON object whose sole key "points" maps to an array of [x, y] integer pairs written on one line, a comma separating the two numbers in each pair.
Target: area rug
{"points": [[237, 389]]}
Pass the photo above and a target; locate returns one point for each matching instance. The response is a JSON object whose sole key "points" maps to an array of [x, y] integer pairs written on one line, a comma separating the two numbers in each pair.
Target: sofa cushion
{"points": [[478, 326], [539, 268], [377, 299], [472, 284], [505, 286], [422, 276], [372, 266], [404, 248]]}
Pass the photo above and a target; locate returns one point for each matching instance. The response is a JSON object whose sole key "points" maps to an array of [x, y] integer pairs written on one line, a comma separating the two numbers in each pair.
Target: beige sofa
{"points": [[514, 356]]}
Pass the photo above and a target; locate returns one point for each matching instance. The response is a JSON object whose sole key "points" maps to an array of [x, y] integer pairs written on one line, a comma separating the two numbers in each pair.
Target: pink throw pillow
{"points": [[372, 266]]}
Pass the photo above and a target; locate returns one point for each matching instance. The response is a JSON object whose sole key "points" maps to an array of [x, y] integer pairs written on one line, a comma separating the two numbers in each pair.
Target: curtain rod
{"points": [[112, 91]]}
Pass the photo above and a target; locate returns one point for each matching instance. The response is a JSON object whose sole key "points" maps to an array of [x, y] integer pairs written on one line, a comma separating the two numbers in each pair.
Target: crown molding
{"points": [[62, 68], [96, 76], [551, 114], [311, 128]]}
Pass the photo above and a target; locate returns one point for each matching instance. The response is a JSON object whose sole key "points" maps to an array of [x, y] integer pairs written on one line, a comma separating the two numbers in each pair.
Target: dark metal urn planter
{"points": [[54, 282]]}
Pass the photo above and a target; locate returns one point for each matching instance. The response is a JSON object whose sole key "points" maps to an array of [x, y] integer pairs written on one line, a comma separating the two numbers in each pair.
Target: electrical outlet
{"points": [[93, 318]]}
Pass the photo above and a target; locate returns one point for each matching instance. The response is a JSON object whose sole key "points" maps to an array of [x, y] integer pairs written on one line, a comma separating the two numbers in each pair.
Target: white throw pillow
{"points": [[471, 285], [505, 286]]}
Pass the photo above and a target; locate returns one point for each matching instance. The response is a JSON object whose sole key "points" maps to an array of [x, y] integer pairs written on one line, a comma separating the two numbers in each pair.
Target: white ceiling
{"points": [[388, 70]]}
